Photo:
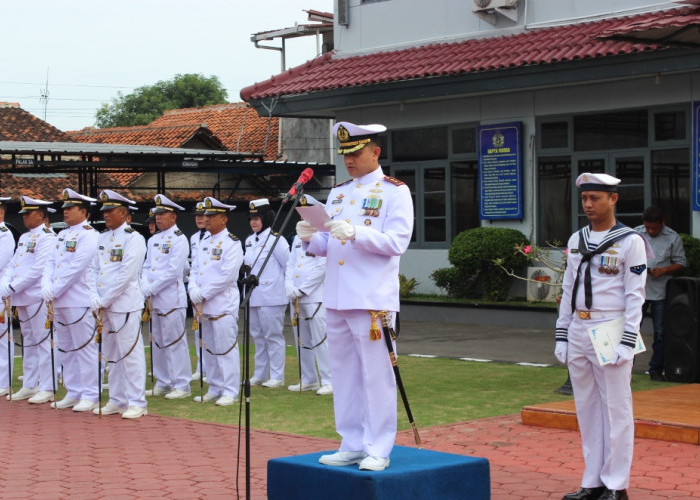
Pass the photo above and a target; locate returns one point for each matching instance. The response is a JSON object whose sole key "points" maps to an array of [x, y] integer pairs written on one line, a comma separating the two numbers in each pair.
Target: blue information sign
{"points": [[696, 155], [500, 171]]}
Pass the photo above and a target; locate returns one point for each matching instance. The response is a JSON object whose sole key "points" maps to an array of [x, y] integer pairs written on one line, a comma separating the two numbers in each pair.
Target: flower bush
{"points": [[551, 256]]}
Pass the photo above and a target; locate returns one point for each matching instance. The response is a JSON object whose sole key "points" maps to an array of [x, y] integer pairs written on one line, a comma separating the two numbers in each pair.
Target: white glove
{"points": [[5, 290], [294, 293], [95, 303], [46, 293], [146, 289], [560, 351], [196, 296], [305, 230], [341, 230], [622, 354]]}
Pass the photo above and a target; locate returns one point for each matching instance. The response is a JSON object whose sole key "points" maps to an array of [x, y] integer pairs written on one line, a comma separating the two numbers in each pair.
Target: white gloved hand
{"points": [[196, 296], [95, 303], [341, 230], [294, 293], [46, 293], [622, 354], [305, 230], [5, 290], [146, 289], [560, 351]]}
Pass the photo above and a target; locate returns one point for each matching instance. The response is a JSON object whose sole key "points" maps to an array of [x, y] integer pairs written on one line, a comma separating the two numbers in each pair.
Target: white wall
{"points": [[394, 23]]}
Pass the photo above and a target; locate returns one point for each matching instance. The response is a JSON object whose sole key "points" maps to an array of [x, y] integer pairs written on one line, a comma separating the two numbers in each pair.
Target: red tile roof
{"points": [[534, 47], [236, 125], [146, 135], [17, 124]]}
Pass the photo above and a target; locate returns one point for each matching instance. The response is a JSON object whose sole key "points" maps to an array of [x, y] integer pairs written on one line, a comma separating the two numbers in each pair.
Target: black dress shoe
{"points": [[585, 494], [657, 377], [613, 495]]}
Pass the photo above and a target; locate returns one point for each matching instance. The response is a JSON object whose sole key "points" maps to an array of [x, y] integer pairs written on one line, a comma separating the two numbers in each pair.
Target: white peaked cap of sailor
{"points": [[213, 206], [72, 198], [28, 204], [111, 199], [597, 182], [164, 204], [308, 200]]}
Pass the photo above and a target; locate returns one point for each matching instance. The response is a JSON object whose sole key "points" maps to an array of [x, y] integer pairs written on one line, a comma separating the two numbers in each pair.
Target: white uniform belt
{"points": [[599, 314]]}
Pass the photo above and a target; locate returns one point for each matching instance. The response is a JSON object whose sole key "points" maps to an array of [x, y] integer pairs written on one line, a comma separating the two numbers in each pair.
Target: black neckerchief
{"points": [[617, 232]]}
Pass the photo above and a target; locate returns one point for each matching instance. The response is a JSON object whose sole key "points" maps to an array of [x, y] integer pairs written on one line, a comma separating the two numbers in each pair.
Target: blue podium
{"points": [[413, 474]]}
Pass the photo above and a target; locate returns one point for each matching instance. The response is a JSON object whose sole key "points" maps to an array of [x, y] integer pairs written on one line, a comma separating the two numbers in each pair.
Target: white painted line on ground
{"points": [[524, 363], [476, 359], [422, 355]]}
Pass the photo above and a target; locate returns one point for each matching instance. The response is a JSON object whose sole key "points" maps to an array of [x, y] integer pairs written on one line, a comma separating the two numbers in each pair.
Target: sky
{"points": [[89, 50]]}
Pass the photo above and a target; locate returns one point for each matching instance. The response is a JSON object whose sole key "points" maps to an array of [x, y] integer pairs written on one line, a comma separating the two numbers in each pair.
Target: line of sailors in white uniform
{"points": [[80, 287]]}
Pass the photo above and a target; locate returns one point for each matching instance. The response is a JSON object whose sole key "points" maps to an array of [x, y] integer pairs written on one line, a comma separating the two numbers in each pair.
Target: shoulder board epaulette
{"points": [[342, 183], [104, 230], [128, 229], [47, 230], [178, 232], [3, 229], [233, 236], [87, 226], [274, 233], [394, 180]]}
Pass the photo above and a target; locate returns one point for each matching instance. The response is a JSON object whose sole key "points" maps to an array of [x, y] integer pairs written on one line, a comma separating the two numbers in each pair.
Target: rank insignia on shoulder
{"points": [[342, 183], [178, 232], [87, 226], [128, 229], [3, 229], [47, 230], [638, 269], [233, 236], [394, 180]]}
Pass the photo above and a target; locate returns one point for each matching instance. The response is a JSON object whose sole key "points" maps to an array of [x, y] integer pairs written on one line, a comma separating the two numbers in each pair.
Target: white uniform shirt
{"points": [[27, 264], [215, 272], [364, 273], [305, 271], [621, 291], [270, 289], [7, 246], [67, 267], [117, 266], [165, 268]]}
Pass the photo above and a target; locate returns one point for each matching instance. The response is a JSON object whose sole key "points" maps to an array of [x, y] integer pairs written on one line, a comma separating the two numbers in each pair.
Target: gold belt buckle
{"points": [[584, 314]]}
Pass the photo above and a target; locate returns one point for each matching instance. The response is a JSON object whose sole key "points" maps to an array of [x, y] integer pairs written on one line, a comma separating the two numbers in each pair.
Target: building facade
{"points": [[602, 85]]}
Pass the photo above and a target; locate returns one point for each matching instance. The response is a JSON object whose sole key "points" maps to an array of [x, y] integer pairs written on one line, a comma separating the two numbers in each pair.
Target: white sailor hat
{"points": [[212, 206], [163, 204], [597, 182], [51, 210], [259, 206], [3, 199], [111, 200], [199, 208], [72, 199], [28, 204], [308, 200], [355, 137]]}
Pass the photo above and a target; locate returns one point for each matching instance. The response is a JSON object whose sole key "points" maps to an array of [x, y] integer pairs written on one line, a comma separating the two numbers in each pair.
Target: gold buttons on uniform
{"points": [[347, 220], [352, 202], [343, 242], [341, 262]]}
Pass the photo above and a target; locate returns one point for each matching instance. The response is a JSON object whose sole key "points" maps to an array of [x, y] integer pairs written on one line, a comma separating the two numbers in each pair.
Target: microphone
{"points": [[305, 177]]}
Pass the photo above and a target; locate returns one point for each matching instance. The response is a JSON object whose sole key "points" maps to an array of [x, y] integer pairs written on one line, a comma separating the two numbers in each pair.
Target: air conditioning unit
{"points": [[540, 287], [486, 5]]}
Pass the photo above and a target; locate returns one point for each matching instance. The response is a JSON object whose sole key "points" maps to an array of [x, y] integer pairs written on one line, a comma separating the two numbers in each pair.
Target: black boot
{"points": [[614, 495], [585, 494]]}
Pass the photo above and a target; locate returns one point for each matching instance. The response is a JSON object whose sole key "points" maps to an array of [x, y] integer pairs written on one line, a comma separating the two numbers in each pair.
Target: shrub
{"points": [[691, 246], [407, 286], [472, 254]]}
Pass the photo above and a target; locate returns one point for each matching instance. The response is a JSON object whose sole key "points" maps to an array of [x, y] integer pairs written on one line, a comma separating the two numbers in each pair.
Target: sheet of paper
{"points": [[607, 336], [315, 215]]}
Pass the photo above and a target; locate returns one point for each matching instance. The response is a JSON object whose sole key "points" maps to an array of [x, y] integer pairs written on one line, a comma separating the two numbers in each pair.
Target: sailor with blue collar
{"points": [[21, 282], [162, 283], [117, 296], [371, 227], [604, 279], [213, 289]]}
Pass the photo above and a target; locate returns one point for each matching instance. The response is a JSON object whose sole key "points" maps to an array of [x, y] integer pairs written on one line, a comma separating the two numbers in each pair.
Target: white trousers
{"points": [[603, 400], [364, 386], [171, 365], [36, 360], [127, 377], [266, 326], [74, 327], [7, 352], [314, 349], [224, 370]]}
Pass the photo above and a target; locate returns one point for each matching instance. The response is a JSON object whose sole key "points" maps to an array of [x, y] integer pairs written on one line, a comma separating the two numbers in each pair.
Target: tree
{"points": [[149, 102]]}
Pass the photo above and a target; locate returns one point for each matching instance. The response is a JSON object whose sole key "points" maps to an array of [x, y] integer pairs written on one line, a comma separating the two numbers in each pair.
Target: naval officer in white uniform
{"points": [[7, 345], [371, 227]]}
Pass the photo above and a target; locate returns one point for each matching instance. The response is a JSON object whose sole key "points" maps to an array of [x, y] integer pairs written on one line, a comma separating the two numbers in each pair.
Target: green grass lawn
{"points": [[440, 391]]}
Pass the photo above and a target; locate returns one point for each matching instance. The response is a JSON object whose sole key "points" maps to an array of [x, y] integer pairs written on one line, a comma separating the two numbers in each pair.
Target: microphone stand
{"points": [[251, 281]]}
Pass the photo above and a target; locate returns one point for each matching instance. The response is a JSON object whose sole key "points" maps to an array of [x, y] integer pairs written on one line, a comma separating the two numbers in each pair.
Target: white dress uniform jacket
{"points": [[165, 268], [215, 272], [67, 266], [7, 248], [27, 264], [269, 291], [306, 272], [120, 256], [364, 273]]}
